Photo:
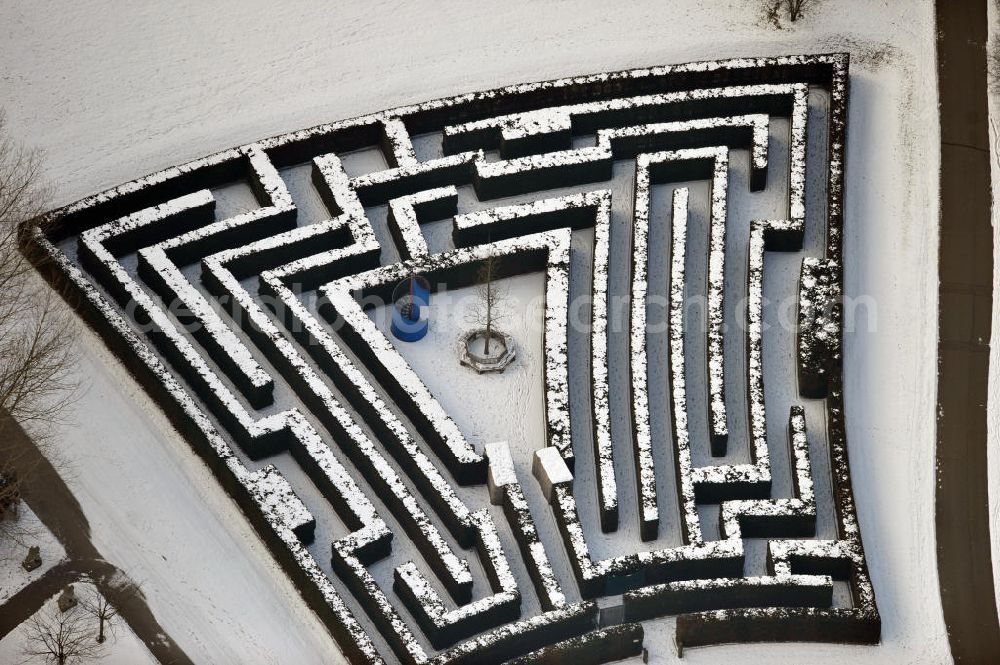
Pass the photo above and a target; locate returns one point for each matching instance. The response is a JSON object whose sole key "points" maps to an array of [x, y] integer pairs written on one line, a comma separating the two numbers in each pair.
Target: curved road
{"points": [[965, 306]]}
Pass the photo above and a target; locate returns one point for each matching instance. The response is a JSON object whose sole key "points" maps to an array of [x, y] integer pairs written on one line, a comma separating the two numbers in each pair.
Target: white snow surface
{"points": [[122, 647], [112, 91], [13, 576], [470, 397]]}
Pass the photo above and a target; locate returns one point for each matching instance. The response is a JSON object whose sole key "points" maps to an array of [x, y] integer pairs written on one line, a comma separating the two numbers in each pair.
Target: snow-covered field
{"points": [[30, 531], [121, 647], [109, 100]]}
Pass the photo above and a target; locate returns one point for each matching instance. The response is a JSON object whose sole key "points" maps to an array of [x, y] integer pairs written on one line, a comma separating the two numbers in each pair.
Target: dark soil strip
{"points": [[966, 297], [54, 504]]}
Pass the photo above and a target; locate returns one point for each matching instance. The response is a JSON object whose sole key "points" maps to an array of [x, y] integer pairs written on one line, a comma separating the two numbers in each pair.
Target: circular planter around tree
{"points": [[472, 350]]}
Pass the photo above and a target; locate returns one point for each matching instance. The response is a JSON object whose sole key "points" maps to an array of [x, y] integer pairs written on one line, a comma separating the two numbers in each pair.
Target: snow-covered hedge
{"points": [[737, 593], [406, 213], [818, 330], [168, 219], [547, 251], [443, 627], [765, 518], [601, 646]]}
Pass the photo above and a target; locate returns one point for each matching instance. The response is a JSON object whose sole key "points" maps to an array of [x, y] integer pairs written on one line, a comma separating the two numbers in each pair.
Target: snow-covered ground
{"points": [[156, 512], [30, 531], [111, 91], [493, 407], [121, 647]]}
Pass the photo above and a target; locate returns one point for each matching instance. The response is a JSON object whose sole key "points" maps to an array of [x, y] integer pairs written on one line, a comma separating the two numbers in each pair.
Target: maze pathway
{"points": [[243, 307]]}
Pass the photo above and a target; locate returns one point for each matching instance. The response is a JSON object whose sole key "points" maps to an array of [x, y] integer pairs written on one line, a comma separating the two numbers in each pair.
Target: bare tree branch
{"points": [[35, 386], [64, 638], [772, 11], [106, 615], [492, 305], [795, 9]]}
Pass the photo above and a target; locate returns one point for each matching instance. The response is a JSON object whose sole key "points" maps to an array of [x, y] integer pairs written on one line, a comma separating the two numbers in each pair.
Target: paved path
{"points": [[57, 508], [965, 307]]}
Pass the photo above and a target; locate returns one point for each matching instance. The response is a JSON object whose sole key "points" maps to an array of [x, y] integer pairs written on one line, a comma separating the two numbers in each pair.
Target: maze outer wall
{"points": [[251, 332]]}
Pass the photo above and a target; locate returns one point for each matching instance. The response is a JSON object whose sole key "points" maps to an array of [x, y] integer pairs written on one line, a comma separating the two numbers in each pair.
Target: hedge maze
{"points": [[250, 326]]}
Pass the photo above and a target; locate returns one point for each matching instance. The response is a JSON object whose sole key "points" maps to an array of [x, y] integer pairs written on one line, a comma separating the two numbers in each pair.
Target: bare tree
{"points": [[34, 382], [773, 10], [106, 614], [492, 305], [64, 638], [795, 8]]}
